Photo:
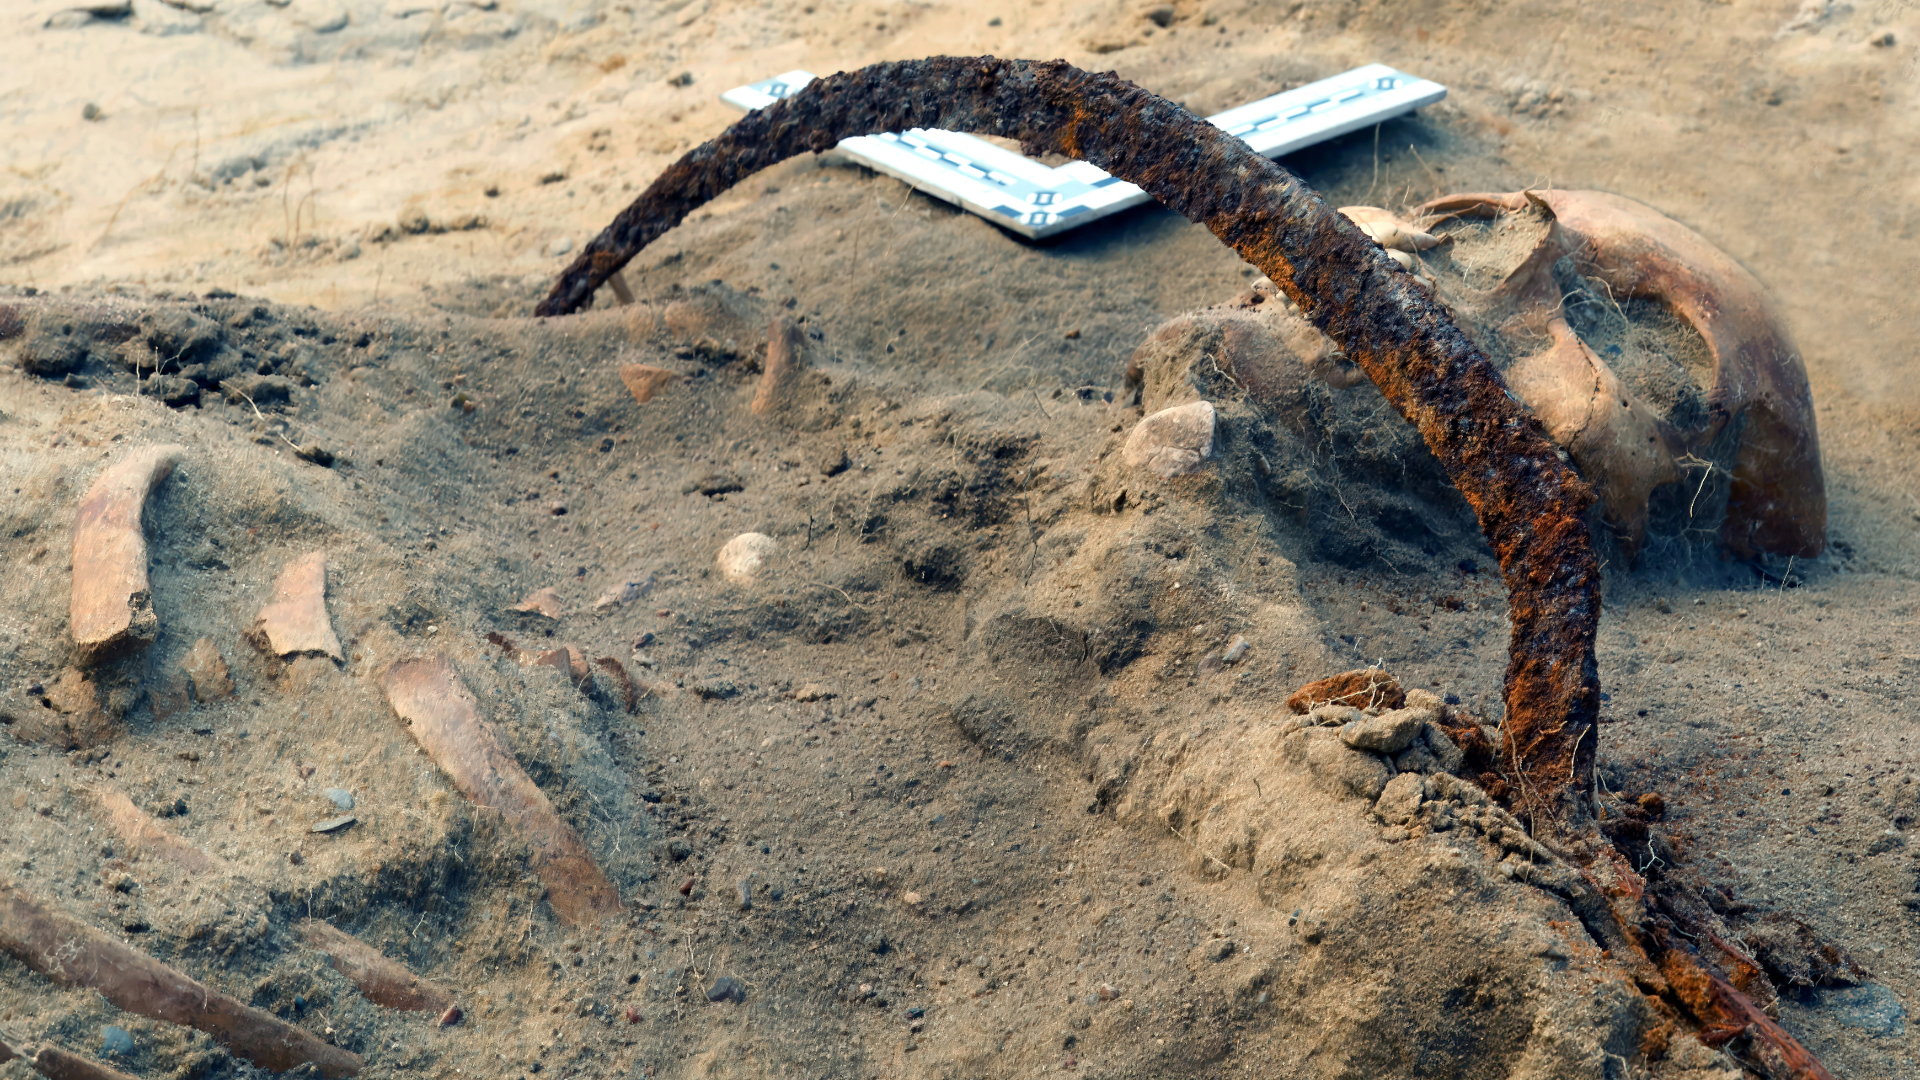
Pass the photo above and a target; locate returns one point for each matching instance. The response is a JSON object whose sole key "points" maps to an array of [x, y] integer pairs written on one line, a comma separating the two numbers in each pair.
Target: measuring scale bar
{"points": [[1021, 195]]}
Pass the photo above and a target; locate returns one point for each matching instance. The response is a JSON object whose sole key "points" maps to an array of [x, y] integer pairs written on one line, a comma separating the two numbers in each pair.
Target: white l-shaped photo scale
{"points": [[1034, 200]]}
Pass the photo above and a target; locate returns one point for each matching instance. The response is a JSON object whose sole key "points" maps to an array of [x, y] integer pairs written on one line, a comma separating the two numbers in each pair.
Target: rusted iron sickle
{"points": [[1531, 503]]}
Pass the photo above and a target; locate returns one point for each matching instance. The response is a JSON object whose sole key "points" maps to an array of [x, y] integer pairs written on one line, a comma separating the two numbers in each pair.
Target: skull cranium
{"points": [[1753, 419], [1653, 359]]}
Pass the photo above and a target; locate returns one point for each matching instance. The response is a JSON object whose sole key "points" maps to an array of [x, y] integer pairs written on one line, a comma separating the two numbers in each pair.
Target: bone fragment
{"points": [[112, 606], [382, 981], [1778, 501], [445, 721], [71, 953], [626, 592], [1388, 229], [569, 660], [540, 602], [621, 292], [295, 622], [784, 368], [148, 837], [71, 719], [59, 1065], [1613, 434], [1172, 442], [644, 380], [208, 669]]}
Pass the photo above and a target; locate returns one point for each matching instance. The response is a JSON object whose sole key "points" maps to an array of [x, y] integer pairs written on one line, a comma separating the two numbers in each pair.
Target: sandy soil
{"points": [[957, 679]]}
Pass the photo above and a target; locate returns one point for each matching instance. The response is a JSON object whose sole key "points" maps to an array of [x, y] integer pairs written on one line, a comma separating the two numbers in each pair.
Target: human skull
{"points": [[1651, 357], [1701, 397]]}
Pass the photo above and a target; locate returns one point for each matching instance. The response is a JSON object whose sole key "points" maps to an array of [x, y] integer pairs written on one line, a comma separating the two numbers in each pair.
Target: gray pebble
{"points": [[340, 797], [715, 689], [744, 887], [727, 988], [116, 1040], [1871, 1008]]}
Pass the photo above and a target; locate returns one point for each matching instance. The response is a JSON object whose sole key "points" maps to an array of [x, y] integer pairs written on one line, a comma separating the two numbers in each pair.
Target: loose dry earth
{"points": [[962, 780]]}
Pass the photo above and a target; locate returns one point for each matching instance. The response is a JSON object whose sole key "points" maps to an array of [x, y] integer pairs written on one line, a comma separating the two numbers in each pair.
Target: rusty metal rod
{"points": [[1531, 503]]}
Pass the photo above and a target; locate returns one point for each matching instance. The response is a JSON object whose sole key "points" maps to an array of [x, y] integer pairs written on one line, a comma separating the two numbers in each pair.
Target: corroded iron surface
{"points": [[1726, 1015], [1367, 688]]}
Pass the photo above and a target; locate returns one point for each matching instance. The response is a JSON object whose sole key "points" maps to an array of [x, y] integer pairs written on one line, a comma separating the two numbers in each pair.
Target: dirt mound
{"points": [[857, 796]]}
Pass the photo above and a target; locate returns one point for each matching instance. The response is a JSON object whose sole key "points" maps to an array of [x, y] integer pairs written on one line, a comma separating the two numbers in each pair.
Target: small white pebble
{"points": [[740, 561]]}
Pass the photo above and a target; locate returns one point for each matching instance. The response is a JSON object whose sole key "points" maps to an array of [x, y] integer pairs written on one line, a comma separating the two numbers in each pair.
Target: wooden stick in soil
{"points": [[445, 720], [71, 953]]}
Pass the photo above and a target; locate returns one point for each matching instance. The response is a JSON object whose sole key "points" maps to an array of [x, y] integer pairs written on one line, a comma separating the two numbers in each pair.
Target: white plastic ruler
{"points": [[1022, 195]]}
